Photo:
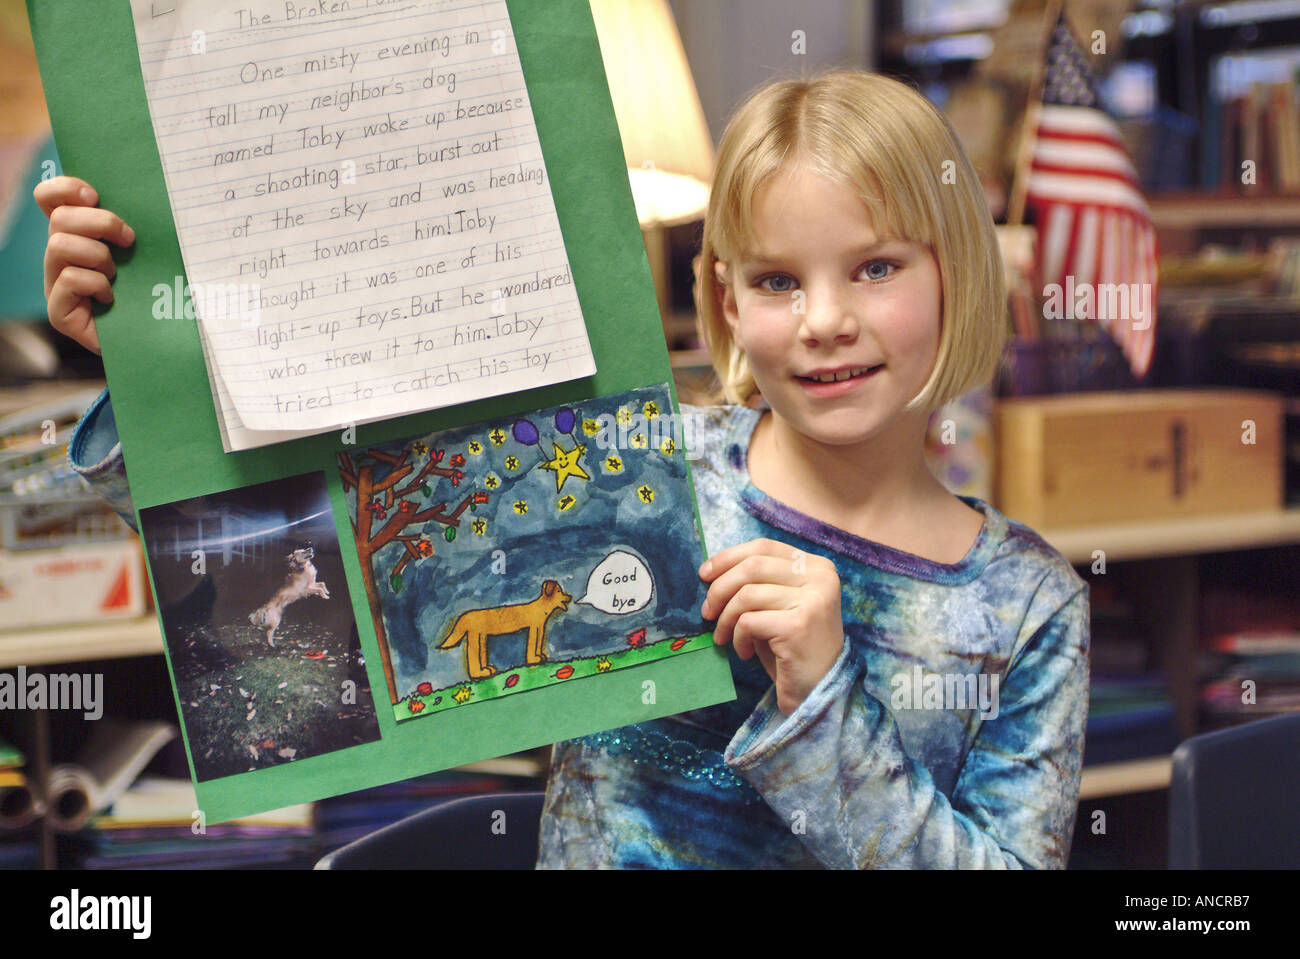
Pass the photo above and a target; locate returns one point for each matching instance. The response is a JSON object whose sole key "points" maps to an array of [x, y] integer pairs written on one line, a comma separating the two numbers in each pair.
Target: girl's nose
{"points": [[829, 315]]}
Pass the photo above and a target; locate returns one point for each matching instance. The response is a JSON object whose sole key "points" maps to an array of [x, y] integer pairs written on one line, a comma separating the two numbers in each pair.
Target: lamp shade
{"points": [[665, 138]]}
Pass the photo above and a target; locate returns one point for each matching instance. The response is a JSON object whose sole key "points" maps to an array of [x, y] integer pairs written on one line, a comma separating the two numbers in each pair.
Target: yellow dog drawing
{"points": [[479, 624]]}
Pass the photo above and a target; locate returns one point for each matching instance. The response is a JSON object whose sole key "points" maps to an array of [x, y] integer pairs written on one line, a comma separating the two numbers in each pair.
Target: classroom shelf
{"points": [[1199, 210], [1178, 536], [110, 639], [1134, 776]]}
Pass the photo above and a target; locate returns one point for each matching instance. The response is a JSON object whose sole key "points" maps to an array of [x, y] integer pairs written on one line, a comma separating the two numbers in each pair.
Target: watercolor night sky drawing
{"points": [[513, 554]]}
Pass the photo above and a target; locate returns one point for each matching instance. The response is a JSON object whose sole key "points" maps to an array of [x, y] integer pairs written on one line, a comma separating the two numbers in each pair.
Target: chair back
{"points": [[1234, 799], [495, 831]]}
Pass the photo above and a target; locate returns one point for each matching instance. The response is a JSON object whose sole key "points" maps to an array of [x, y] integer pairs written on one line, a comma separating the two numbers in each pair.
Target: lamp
{"points": [[666, 141]]}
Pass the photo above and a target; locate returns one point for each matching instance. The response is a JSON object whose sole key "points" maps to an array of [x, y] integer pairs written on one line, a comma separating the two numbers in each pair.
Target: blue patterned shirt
{"points": [[893, 760]]}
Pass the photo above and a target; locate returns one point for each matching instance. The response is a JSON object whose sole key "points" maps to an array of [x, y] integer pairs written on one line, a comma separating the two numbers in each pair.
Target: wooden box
{"points": [[1092, 458]]}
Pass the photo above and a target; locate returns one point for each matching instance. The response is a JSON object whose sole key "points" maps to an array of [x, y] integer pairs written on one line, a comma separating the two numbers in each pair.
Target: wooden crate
{"points": [[1084, 458]]}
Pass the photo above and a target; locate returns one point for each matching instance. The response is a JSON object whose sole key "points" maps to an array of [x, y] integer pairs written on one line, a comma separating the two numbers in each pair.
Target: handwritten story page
{"points": [[362, 206]]}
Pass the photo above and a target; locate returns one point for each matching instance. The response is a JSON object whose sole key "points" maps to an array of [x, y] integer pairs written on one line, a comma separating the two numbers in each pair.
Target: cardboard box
{"points": [[1093, 458], [71, 584]]}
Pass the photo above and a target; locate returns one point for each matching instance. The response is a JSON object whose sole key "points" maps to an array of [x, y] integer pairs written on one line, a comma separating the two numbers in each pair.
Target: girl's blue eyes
{"points": [[784, 281], [876, 270]]}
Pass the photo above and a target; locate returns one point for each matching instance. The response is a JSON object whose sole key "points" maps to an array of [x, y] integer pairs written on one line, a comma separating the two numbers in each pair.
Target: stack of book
{"points": [[1250, 659], [19, 806], [1130, 716], [1130, 708], [1251, 143], [155, 825], [1253, 675]]}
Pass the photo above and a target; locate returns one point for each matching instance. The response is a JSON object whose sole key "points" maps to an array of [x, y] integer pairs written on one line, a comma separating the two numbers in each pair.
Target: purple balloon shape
{"points": [[526, 433], [564, 420]]}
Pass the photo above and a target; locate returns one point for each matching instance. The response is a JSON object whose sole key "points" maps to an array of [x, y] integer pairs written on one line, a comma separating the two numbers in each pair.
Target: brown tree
{"points": [[396, 512]]}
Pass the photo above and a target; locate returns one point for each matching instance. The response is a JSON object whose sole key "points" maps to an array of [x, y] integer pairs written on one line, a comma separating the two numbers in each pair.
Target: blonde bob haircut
{"points": [[898, 152]]}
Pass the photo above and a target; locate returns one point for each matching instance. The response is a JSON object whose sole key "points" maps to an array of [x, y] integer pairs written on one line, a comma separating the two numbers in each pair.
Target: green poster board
{"points": [[168, 426]]}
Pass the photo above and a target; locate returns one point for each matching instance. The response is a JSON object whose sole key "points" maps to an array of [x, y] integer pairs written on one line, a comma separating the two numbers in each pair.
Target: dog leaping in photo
{"points": [[299, 581]]}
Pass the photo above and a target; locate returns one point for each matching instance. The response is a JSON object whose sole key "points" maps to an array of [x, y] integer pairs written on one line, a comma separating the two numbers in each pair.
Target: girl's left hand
{"points": [[781, 603]]}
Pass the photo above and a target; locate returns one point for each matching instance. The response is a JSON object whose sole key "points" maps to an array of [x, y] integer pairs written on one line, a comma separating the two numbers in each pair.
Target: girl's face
{"points": [[840, 327]]}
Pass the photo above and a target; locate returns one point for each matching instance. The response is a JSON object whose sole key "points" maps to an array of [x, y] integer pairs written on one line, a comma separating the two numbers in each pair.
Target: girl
{"points": [[911, 666]]}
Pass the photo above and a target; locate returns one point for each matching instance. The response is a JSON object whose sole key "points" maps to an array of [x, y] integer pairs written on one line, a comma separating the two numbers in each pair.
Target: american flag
{"points": [[1094, 226]]}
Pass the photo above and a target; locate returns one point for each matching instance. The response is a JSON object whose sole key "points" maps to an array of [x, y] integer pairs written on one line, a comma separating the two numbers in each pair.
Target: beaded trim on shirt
{"points": [[683, 758]]}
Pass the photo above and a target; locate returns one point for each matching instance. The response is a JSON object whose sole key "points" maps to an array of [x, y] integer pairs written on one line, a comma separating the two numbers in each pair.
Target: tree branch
{"points": [[347, 471], [385, 457], [429, 467]]}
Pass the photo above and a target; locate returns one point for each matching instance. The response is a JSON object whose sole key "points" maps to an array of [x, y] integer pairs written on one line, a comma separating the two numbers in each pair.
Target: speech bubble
{"points": [[620, 584]]}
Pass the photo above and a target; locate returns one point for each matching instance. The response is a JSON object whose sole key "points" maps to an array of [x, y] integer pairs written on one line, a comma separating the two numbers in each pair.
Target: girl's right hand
{"points": [[78, 264]]}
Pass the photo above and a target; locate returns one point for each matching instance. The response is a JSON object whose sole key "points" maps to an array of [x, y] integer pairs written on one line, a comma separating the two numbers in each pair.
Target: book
{"points": [[10, 756]]}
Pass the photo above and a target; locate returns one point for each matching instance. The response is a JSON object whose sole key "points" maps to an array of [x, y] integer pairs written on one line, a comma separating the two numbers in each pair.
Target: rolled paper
{"points": [[112, 758], [19, 804]]}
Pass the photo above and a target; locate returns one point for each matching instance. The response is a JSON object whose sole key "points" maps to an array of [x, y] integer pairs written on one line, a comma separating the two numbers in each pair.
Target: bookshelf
{"points": [[108, 639], [1197, 211], [1178, 537], [1114, 779]]}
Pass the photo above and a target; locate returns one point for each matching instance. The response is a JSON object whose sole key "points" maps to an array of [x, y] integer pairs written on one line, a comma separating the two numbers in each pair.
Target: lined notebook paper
{"points": [[363, 209]]}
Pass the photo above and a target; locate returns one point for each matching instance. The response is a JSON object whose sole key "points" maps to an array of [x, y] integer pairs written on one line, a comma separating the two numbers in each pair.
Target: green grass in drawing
{"points": [[547, 674]]}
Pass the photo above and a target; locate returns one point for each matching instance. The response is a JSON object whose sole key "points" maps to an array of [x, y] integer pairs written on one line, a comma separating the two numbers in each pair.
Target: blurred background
{"points": [[1162, 458]]}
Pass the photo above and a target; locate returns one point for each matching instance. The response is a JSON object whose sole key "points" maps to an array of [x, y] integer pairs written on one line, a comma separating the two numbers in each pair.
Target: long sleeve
{"points": [[96, 454], [837, 773]]}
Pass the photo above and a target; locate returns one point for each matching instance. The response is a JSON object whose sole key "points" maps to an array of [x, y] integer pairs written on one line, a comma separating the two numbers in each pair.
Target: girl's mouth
{"points": [[839, 382], [841, 375]]}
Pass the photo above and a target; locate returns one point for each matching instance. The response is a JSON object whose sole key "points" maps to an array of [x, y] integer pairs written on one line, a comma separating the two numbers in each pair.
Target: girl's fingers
{"points": [[74, 238], [69, 249], [64, 191], [78, 262], [755, 568], [751, 598], [754, 632], [723, 560], [69, 304], [766, 657], [92, 222]]}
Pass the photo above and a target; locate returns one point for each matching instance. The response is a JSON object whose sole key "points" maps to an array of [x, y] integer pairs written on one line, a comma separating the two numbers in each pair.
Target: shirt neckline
{"points": [[740, 433]]}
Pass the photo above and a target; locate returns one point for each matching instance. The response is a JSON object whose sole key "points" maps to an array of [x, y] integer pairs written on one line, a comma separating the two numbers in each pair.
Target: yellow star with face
{"points": [[565, 464]]}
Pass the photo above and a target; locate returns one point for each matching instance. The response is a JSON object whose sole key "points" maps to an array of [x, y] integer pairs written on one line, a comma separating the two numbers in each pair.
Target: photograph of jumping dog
{"points": [[266, 659], [299, 582]]}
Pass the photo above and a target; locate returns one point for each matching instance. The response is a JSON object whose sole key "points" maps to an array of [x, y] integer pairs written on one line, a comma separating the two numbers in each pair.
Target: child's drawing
{"points": [[478, 624], [505, 556]]}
